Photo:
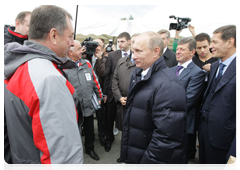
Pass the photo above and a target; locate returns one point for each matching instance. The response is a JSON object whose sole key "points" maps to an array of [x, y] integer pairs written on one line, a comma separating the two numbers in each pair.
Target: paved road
{"points": [[111, 156]]}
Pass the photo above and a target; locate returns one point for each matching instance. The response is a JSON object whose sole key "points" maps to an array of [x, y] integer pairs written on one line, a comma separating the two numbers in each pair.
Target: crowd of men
{"points": [[160, 99]]}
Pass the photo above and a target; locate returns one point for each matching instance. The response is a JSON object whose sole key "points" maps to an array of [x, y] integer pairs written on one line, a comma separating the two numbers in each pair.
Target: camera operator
{"points": [[106, 52], [90, 47], [99, 60], [203, 56]]}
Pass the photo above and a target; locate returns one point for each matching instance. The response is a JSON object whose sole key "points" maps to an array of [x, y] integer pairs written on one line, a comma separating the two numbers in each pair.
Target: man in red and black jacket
{"points": [[19, 33]]}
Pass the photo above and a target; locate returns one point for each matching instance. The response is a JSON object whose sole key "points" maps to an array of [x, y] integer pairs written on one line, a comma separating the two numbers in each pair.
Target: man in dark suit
{"points": [[124, 41], [217, 127], [168, 55], [192, 79]]}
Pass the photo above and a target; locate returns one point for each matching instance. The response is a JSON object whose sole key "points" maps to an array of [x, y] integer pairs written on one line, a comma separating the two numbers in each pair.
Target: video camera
{"points": [[109, 47], [90, 46], [182, 23]]}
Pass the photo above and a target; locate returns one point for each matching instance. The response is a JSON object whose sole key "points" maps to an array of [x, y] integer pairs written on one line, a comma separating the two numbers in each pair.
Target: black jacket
{"points": [[170, 58], [154, 125], [11, 36]]}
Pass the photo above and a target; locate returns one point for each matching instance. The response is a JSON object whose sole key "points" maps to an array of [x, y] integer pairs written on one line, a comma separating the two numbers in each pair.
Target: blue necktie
{"points": [[220, 72], [125, 54]]}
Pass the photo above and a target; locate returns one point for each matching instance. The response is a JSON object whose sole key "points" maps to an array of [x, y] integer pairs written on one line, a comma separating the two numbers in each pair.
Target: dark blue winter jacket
{"points": [[154, 127]]}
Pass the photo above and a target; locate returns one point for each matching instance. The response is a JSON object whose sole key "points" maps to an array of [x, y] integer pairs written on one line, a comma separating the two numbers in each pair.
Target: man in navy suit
{"points": [[192, 79], [217, 126]]}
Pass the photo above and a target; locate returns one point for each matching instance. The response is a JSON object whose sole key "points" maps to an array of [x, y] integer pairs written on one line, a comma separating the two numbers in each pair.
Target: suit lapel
{"points": [[166, 54], [119, 55], [214, 67], [229, 73], [186, 71]]}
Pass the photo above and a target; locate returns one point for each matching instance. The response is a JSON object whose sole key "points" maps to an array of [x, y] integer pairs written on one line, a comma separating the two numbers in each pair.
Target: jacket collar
{"points": [[165, 54], [229, 73], [159, 64], [15, 34], [186, 71], [16, 54]]}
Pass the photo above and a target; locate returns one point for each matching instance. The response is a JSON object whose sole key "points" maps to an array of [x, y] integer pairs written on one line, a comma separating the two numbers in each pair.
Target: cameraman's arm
{"points": [[83, 49], [175, 40], [192, 30]]}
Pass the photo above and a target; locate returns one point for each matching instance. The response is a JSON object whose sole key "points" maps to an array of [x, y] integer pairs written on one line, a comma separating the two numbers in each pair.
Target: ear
{"points": [[157, 51], [193, 52], [53, 35], [168, 40], [129, 42], [230, 42], [17, 23], [70, 53]]}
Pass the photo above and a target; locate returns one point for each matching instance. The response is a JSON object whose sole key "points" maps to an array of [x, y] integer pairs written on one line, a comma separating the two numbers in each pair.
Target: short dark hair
{"points": [[228, 31], [202, 37], [190, 41], [125, 34], [21, 16], [46, 17]]}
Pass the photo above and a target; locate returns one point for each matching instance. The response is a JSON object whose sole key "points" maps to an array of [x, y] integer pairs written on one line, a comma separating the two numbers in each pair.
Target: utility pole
{"points": [[76, 23]]}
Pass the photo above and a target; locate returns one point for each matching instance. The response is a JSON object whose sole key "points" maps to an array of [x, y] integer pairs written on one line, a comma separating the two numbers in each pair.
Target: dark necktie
{"points": [[220, 72], [125, 54], [178, 70]]}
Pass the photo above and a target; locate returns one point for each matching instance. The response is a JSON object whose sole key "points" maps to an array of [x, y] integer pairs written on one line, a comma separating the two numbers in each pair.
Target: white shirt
{"points": [[164, 50], [227, 62], [144, 73], [128, 52], [185, 65]]}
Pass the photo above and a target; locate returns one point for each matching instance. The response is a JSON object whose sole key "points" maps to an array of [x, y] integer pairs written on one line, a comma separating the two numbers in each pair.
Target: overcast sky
{"points": [[204, 13], [122, 11], [88, 11]]}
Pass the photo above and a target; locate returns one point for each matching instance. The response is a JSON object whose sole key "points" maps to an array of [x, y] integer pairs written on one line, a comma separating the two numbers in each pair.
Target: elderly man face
{"points": [[75, 52], [144, 56]]}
